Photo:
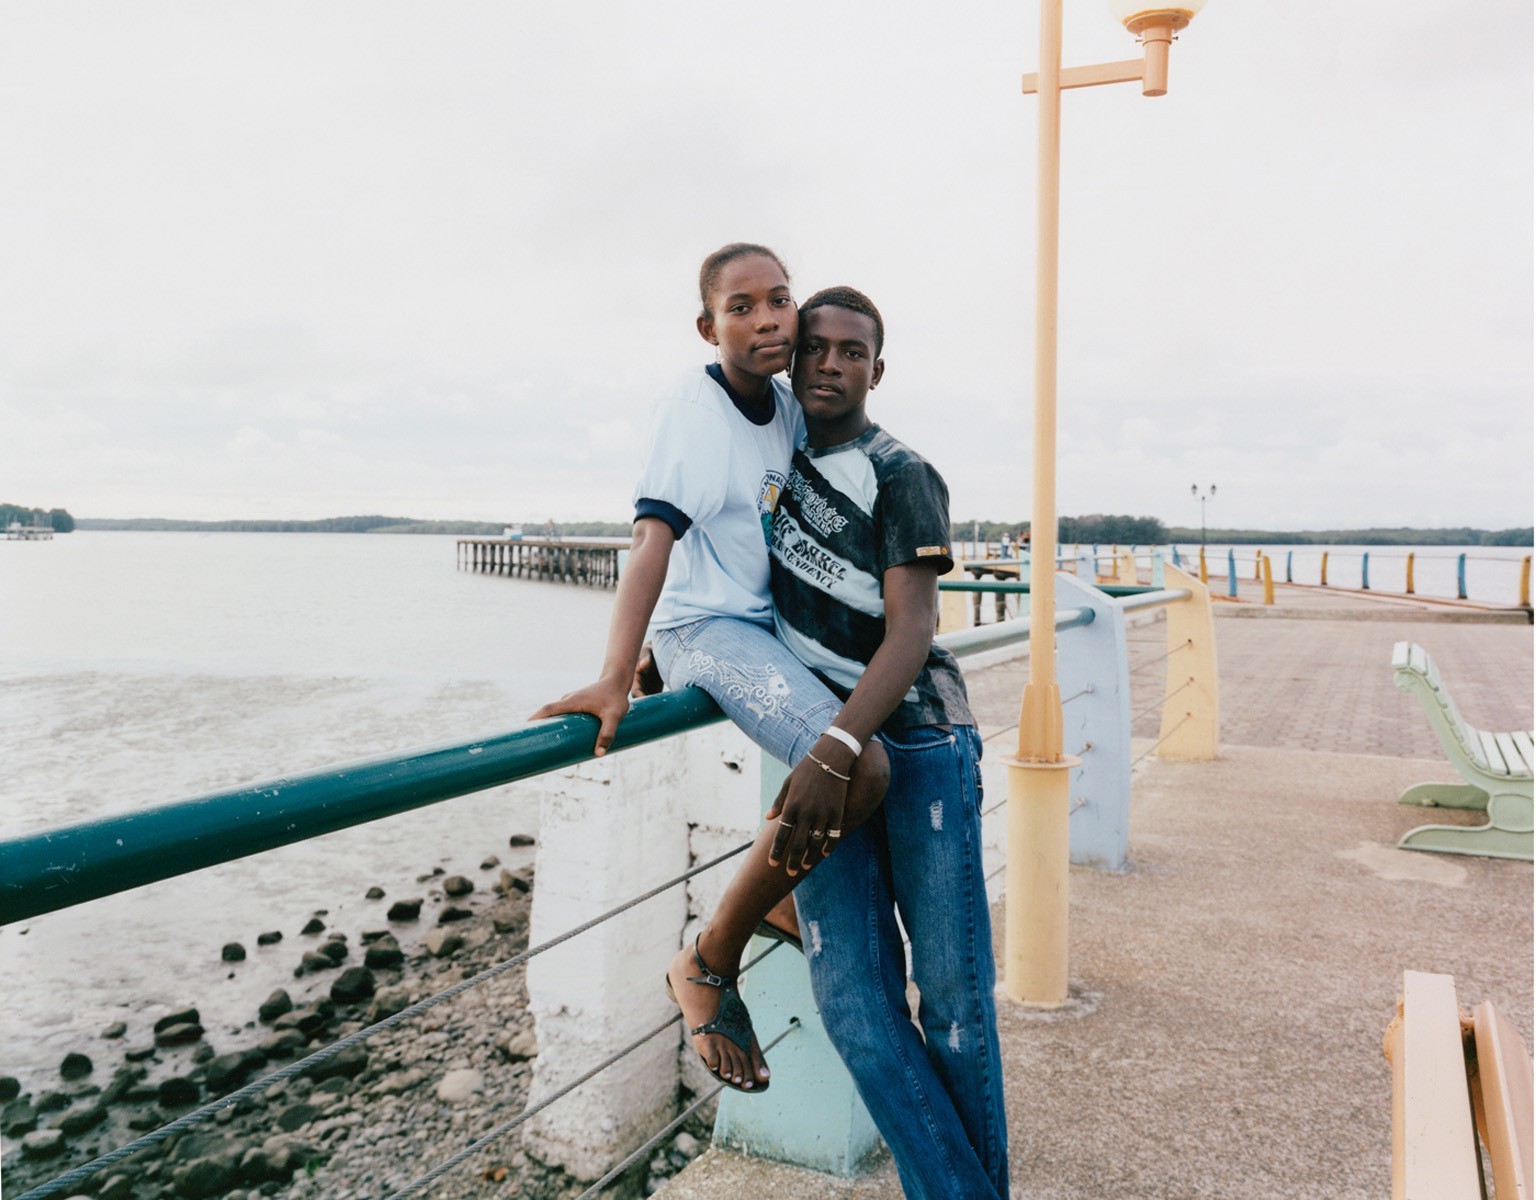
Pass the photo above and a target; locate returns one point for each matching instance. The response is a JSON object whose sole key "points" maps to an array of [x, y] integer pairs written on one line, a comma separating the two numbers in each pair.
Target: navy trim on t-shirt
{"points": [[676, 519], [754, 410]]}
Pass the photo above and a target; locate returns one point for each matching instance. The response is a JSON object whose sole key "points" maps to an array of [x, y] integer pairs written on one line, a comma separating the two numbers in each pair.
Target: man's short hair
{"points": [[854, 301]]}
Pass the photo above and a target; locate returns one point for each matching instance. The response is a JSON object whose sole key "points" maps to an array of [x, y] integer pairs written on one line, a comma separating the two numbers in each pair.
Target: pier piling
{"points": [[556, 560]]}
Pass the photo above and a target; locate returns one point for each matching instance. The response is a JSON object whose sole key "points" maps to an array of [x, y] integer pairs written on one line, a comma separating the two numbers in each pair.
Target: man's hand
{"points": [[809, 810], [606, 700], [647, 681]]}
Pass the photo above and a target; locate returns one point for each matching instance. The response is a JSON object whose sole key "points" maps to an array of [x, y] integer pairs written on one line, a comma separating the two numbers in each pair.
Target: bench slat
{"points": [[1418, 660], [1514, 762], [1465, 734], [1523, 744], [1400, 656], [1491, 751]]}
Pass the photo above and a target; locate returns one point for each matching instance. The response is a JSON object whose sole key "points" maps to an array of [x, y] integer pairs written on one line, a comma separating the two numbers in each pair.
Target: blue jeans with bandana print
{"points": [[935, 1094]]}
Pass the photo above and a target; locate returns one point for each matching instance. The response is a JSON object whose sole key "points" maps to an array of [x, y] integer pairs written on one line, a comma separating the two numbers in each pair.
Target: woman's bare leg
{"points": [[757, 889]]}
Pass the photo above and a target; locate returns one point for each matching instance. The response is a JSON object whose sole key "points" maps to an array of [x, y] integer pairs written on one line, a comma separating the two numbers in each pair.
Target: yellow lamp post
{"points": [[1035, 941]]}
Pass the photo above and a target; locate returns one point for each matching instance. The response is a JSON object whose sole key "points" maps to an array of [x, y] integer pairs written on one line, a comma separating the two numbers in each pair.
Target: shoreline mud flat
{"points": [[361, 1124], [92, 743]]}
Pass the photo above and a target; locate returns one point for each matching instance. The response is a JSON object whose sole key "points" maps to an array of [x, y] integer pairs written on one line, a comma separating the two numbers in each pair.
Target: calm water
{"points": [[140, 668]]}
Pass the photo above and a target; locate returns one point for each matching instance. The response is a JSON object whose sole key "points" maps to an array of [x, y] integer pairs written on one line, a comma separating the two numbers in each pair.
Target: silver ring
{"points": [[834, 833], [786, 824], [817, 835]]}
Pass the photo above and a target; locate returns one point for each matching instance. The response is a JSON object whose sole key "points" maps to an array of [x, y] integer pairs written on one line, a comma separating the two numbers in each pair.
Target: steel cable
{"points": [[1147, 662], [1139, 757], [1163, 701], [657, 1138], [506, 1127], [57, 1186]]}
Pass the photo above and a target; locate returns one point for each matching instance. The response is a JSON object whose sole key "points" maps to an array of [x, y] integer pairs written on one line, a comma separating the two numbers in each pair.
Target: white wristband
{"points": [[846, 738]]}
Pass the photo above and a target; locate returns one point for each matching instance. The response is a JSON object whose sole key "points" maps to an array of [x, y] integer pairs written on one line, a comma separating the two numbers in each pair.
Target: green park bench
{"points": [[1496, 767]]}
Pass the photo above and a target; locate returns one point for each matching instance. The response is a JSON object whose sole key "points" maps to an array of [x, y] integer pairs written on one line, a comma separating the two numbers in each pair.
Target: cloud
{"points": [[444, 259]]}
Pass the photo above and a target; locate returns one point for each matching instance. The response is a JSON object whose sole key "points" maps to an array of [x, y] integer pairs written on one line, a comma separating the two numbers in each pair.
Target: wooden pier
{"points": [[17, 532], [561, 560]]}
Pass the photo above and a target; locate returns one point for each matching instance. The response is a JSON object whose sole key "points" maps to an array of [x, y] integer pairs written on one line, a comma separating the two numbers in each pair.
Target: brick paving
{"points": [[1310, 684]]}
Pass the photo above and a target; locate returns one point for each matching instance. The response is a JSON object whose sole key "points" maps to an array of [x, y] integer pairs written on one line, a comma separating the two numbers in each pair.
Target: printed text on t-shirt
{"points": [[814, 509], [803, 556]]}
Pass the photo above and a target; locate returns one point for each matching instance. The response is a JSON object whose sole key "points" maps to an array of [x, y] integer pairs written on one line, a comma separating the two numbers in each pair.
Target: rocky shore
{"points": [[357, 1126]]}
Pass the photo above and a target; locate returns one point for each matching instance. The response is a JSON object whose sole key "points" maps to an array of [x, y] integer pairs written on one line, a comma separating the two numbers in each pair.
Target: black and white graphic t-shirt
{"points": [[848, 513]]}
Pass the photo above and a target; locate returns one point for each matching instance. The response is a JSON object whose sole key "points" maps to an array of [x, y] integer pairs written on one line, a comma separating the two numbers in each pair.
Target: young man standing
{"points": [[863, 521]]}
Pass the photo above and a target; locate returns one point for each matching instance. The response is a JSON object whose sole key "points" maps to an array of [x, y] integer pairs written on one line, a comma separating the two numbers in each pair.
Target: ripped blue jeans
{"points": [[936, 1095]]}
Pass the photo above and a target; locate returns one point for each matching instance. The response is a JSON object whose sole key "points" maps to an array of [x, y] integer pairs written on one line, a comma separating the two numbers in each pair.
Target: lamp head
{"points": [[1139, 16]]}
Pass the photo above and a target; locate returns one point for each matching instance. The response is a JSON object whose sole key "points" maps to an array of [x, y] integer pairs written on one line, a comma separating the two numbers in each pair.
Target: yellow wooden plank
{"points": [[1434, 1150], [1504, 1077]]}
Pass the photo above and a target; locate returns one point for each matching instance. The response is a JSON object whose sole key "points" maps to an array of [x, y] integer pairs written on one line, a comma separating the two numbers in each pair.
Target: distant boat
{"points": [[512, 532]]}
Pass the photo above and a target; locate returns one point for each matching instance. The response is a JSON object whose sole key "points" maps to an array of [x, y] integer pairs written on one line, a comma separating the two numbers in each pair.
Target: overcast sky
{"points": [[304, 260]]}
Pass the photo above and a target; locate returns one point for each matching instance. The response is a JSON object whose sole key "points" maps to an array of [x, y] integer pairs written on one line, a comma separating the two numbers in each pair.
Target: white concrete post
{"points": [[608, 831], [1096, 727]]}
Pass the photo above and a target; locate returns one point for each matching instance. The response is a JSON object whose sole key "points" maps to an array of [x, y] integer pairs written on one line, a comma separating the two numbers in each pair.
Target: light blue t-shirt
{"points": [[713, 472]]}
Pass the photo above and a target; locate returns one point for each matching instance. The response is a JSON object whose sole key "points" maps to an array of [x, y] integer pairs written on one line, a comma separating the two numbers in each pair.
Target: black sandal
{"points": [[768, 929], [731, 1020]]}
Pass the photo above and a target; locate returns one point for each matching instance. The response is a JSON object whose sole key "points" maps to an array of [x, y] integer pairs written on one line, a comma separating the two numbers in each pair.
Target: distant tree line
{"points": [[58, 518], [580, 529], [1097, 528]]}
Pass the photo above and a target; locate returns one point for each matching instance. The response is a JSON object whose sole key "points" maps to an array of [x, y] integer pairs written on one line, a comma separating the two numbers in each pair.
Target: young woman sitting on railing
{"points": [[698, 574]]}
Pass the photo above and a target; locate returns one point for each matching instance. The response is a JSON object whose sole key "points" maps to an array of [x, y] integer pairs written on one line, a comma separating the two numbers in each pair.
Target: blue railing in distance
{"points": [[1014, 587], [57, 868]]}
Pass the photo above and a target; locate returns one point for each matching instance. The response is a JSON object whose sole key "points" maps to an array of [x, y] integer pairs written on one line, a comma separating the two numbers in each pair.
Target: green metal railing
{"points": [[57, 868]]}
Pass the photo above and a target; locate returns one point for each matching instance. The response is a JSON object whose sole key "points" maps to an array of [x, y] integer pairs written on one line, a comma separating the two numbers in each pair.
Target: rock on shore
{"points": [[358, 1125]]}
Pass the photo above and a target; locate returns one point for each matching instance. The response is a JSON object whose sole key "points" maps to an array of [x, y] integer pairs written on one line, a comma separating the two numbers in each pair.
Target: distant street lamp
{"points": [[1035, 941], [1194, 490]]}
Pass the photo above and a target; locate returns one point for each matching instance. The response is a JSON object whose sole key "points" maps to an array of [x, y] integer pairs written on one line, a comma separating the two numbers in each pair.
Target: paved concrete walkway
{"points": [[1233, 985]]}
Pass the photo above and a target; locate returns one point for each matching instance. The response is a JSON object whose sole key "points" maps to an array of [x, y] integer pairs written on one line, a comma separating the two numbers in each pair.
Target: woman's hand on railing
{"points": [[607, 700], [809, 810]]}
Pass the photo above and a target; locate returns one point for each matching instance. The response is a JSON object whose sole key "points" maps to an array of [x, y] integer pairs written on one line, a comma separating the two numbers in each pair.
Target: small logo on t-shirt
{"points": [[768, 500], [933, 552]]}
